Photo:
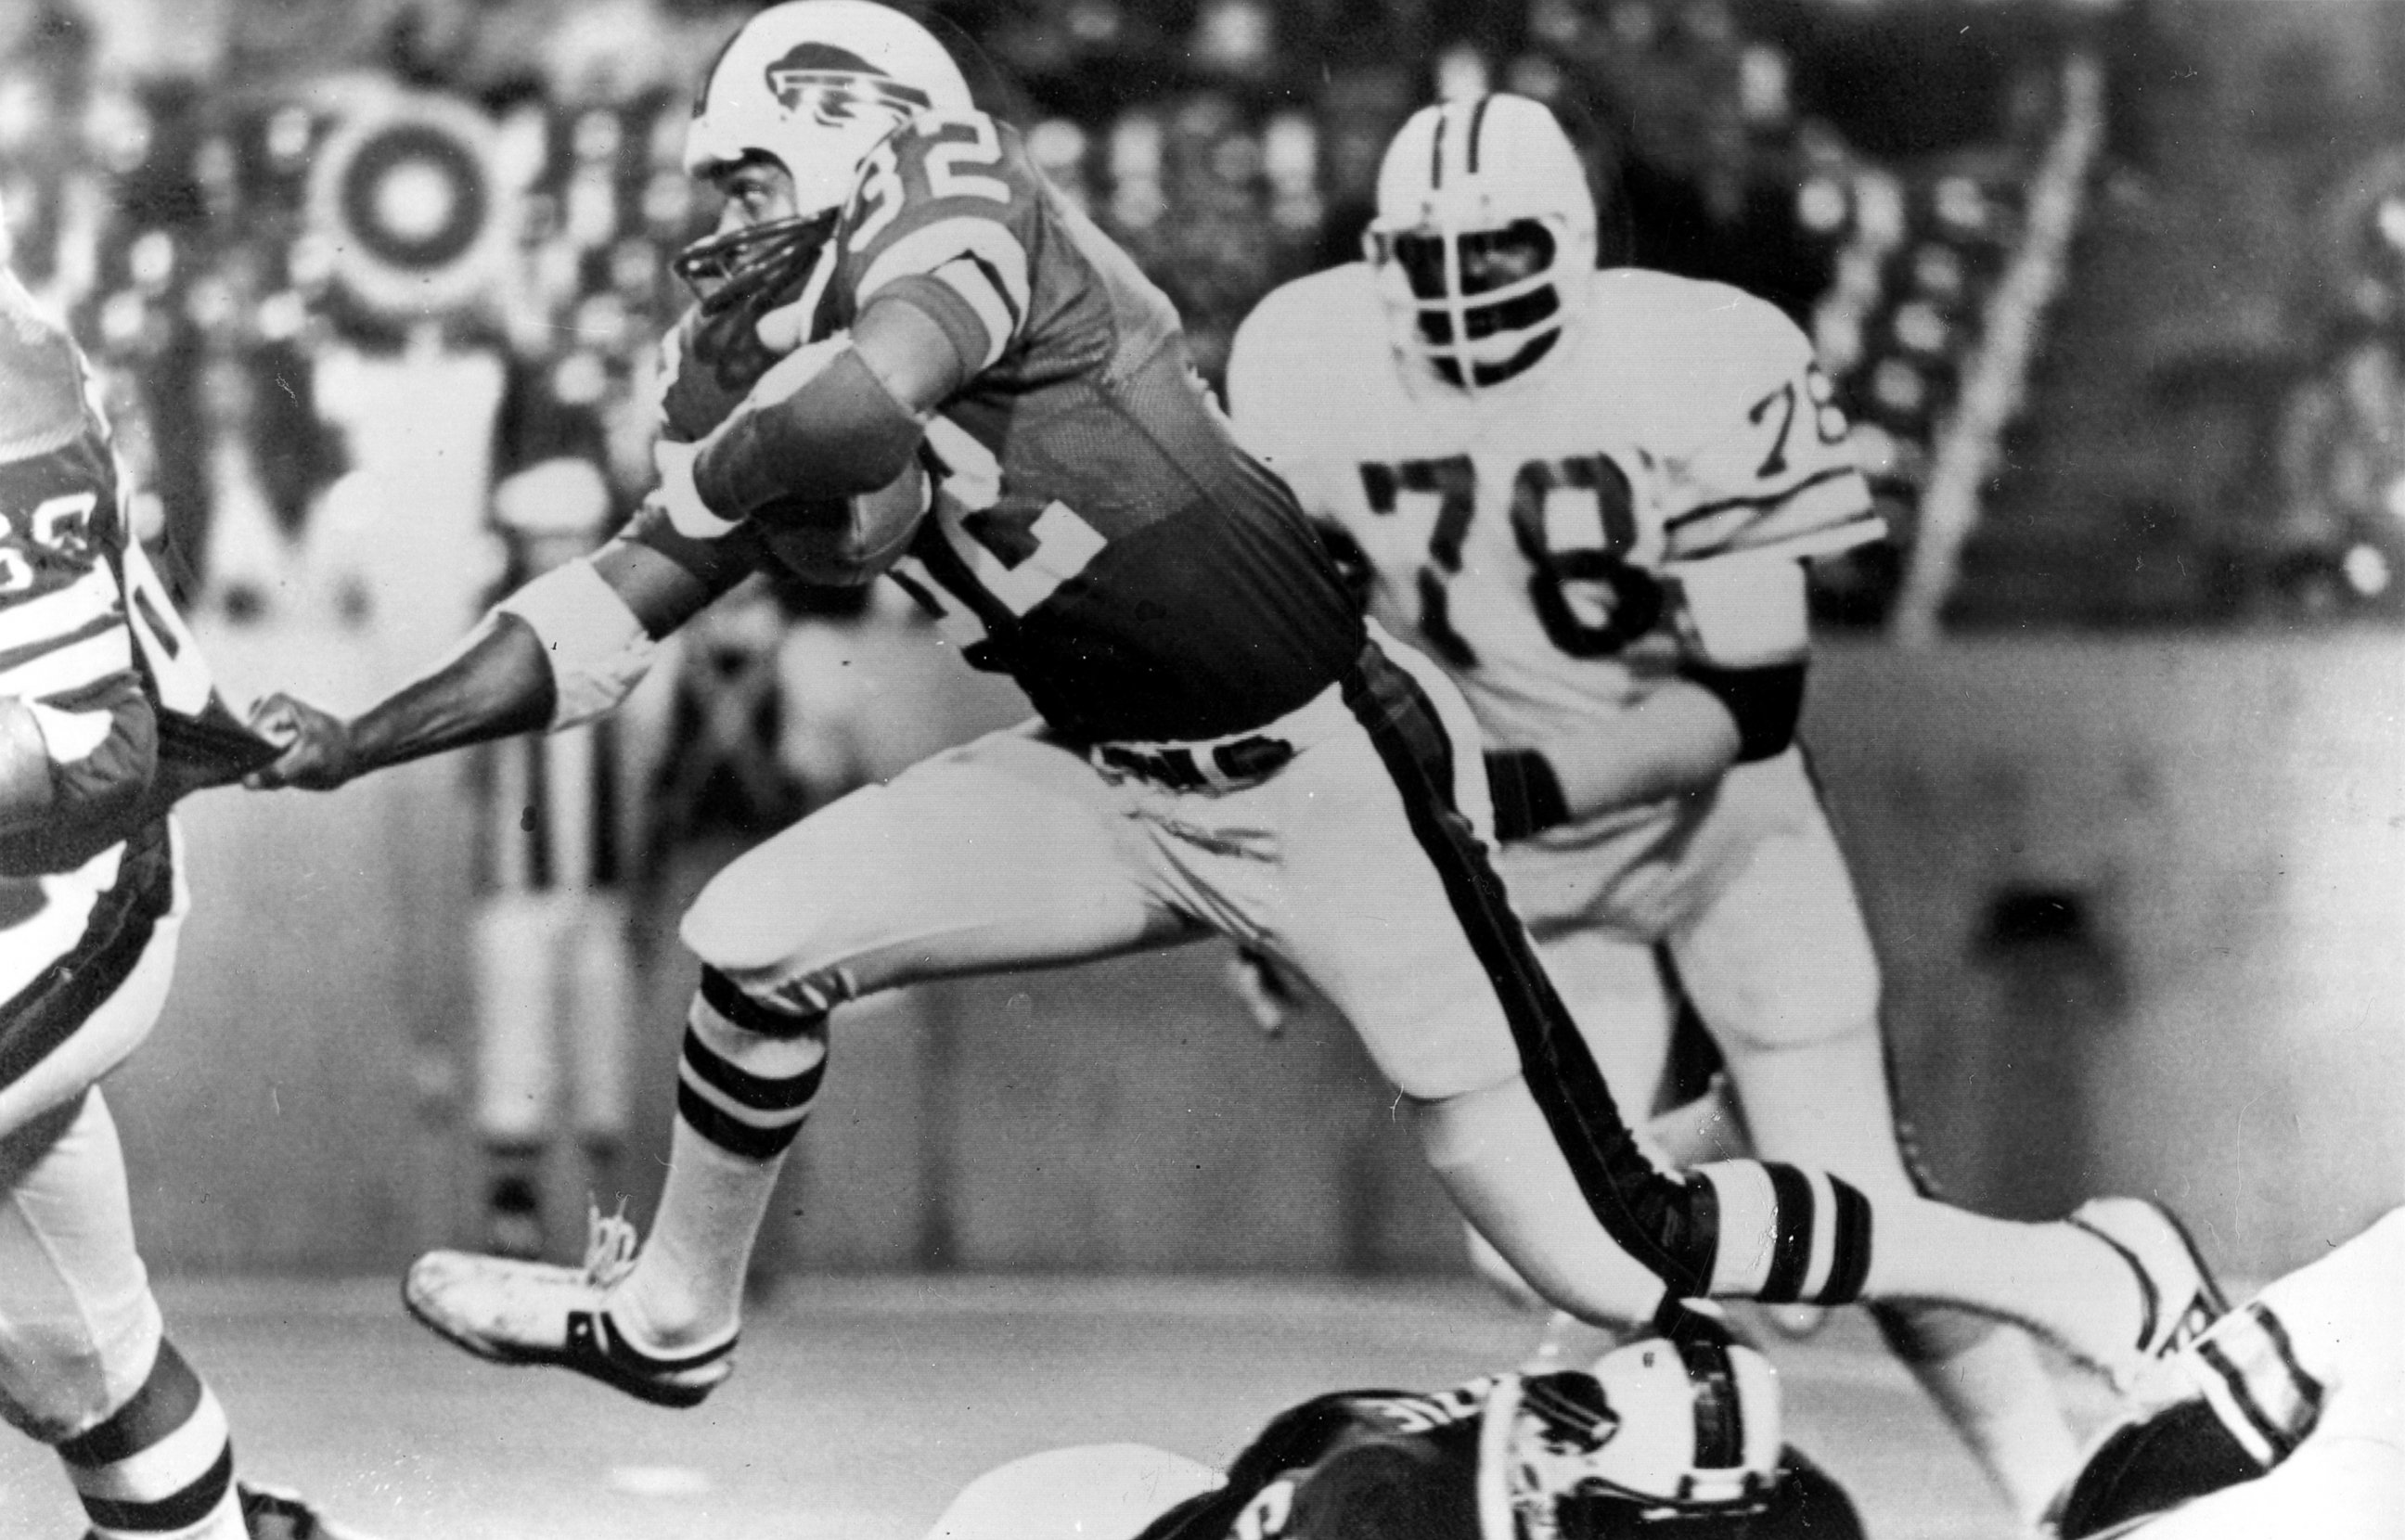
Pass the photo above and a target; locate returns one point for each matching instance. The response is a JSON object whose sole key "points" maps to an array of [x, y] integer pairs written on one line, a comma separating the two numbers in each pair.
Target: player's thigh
{"points": [[100, 1037], [1616, 992], [1778, 954], [1780, 969], [1008, 852], [79, 1327], [1389, 902]]}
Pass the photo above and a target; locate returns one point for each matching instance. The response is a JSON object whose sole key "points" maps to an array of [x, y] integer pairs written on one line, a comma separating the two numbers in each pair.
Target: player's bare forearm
{"points": [[495, 684], [1678, 739], [576, 638]]}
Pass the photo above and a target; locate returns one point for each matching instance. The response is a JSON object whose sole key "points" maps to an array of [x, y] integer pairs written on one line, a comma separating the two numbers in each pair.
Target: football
{"points": [[848, 541]]}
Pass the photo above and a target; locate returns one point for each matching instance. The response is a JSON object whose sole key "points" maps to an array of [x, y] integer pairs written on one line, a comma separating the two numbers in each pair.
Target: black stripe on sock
{"points": [[181, 1511], [760, 1093], [1657, 1219], [1791, 1234], [2281, 1443], [1850, 1267], [169, 1394], [725, 997], [731, 1133]]}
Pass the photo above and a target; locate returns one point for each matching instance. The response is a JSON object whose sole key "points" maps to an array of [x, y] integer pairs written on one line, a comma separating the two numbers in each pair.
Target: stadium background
{"points": [[2113, 730]]}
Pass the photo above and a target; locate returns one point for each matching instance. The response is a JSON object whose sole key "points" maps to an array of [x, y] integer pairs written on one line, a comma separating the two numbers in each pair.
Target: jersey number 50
{"points": [[1590, 600]]}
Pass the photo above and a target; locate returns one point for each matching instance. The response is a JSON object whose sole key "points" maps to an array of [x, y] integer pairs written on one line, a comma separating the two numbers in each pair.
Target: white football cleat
{"points": [[2176, 1291], [510, 1311]]}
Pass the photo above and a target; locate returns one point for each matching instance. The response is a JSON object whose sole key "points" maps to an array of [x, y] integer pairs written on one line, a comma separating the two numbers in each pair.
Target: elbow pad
{"points": [[1526, 793], [840, 431], [598, 652], [1766, 702]]}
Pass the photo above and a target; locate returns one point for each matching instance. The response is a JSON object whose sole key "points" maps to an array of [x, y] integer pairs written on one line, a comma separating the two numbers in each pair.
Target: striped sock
{"points": [[161, 1466], [1784, 1234], [749, 1076]]}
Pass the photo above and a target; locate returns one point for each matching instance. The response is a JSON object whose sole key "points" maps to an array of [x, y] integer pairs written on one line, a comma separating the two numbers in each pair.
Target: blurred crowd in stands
{"points": [[225, 194]]}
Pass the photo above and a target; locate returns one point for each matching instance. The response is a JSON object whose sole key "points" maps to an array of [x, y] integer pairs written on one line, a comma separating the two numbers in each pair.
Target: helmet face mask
{"points": [[754, 262], [1484, 231]]}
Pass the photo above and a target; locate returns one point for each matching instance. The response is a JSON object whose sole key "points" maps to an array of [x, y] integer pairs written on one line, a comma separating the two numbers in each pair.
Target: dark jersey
{"points": [[1394, 1465], [1095, 531], [88, 643]]}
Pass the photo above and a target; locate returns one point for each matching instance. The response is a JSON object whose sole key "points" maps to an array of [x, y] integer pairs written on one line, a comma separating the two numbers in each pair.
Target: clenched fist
{"points": [[318, 754]]}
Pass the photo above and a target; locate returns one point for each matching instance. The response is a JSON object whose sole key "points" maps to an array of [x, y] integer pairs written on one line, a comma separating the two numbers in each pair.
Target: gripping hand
{"points": [[317, 752]]}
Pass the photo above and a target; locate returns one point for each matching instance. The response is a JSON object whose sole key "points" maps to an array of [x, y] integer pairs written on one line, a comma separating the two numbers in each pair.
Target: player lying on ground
{"points": [[2286, 1417], [1652, 1438], [1589, 495], [106, 718], [1223, 747]]}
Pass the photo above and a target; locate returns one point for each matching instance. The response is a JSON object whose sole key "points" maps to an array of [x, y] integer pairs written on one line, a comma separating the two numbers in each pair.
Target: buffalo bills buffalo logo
{"points": [[833, 85]]}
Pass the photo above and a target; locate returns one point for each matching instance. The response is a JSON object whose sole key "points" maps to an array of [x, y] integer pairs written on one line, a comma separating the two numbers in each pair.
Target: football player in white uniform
{"points": [[106, 717], [1590, 493], [2286, 1417]]}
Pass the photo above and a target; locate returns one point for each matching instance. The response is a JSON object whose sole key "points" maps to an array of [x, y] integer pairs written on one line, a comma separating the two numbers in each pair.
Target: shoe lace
{"points": [[609, 1244]]}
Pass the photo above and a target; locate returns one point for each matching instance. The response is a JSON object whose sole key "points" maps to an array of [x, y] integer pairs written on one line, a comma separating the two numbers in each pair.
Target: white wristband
{"points": [[598, 649]]}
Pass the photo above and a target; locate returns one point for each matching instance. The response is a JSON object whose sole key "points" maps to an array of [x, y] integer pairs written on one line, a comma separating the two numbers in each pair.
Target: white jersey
{"points": [[1521, 536]]}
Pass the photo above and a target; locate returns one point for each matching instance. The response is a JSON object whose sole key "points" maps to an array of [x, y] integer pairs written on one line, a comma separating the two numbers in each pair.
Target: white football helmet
{"points": [[1483, 238], [813, 85], [1691, 1426]]}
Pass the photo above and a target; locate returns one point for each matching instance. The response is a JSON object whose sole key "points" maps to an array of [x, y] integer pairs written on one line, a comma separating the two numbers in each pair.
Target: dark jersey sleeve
{"points": [[945, 218]]}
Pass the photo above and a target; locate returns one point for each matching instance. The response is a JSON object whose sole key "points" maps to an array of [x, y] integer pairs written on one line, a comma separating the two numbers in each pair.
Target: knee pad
{"points": [[60, 1377], [1779, 1234]]}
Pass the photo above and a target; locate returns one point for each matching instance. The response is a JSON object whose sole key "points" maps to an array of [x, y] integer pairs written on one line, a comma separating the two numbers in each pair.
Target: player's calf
{"points": [[161, 1462], [1778, 1234]]}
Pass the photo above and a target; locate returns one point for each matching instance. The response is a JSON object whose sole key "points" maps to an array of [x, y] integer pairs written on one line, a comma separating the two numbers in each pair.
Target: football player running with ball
{"points": [[1222, 744], [108, 716], [1590, 494]]}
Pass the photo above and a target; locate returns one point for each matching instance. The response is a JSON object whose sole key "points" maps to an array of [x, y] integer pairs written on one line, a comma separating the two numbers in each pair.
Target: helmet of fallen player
{"points": [[813, 86], [1484, 237], [1680, 1436]]}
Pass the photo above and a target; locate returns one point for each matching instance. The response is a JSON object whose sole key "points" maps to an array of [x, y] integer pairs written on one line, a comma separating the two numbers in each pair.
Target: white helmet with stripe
{"points": [[1692, 1425], [1483, 238], [814, 85]]}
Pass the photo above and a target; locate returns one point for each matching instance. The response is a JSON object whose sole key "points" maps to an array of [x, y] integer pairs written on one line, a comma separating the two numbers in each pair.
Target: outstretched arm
{"points": [[564, 649]]}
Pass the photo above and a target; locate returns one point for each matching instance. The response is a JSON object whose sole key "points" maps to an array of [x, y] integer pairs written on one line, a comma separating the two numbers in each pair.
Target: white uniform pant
{"points": [[1360, 859], [1750, 896], [78, 1328]]}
